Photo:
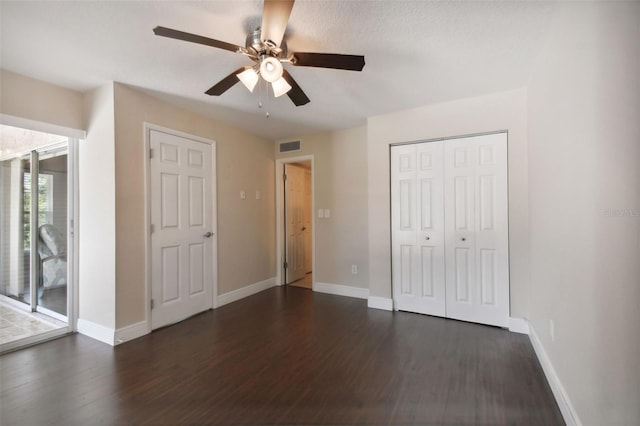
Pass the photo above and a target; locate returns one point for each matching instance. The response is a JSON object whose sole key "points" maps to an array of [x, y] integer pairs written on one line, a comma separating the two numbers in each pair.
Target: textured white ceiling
{"points": [[416, 52]]}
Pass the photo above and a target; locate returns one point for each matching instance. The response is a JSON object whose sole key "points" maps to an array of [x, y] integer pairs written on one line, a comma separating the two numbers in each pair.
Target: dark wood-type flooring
{"points": [[284, 356]]}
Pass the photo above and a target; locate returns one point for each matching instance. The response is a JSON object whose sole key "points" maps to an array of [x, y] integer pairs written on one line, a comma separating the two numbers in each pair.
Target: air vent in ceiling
{"points": [[290, 146]]}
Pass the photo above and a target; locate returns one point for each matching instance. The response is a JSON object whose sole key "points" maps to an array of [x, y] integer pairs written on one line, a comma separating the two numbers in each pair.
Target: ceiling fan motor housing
{"points": [[256, 46]]}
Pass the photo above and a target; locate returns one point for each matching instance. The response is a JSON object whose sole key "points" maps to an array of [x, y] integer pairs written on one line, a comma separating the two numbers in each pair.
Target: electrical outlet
{"points": [[552, 330], [354, 269]]}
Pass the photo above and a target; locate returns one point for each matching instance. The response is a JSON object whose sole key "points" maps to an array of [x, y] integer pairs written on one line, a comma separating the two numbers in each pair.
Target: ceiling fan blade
{"points": [[194, 38], [275, 16], [226, 83], [328, 60], [296, 94]]}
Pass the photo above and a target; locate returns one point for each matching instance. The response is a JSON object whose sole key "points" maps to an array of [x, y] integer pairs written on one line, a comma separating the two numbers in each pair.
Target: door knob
{"points": [[463, 239], [427, 238], [208, 234], [303, 228]]}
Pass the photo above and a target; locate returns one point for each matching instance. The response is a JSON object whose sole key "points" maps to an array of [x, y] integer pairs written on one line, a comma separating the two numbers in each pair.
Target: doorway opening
{"points": [[36, 236], [296, 227]]}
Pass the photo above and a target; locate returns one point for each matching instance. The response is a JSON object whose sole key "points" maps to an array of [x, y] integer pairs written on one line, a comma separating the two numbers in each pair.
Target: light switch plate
{"points": [[327, 213], [243, 195], [258, 195], [320, 213]]}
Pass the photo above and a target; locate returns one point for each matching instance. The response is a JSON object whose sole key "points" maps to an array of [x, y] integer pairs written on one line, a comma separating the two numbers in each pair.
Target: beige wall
{"points": [[499, 111], [41, 102], [340, 174], [246, 228], [96, 224], [111, 172], [36, 100], [111, 189], [584, 157]]}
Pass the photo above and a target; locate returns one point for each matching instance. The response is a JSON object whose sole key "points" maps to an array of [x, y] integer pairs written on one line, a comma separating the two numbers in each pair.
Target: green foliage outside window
{"points": [[45, 204]]}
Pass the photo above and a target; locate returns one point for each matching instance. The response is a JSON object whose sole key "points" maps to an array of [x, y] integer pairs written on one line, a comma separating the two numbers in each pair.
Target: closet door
{"points": [[476, 211], [418, 228]]}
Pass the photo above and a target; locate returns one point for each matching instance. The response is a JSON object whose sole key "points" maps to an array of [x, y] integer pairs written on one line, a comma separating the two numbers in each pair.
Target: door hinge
{"points": [[151, 153], [152, 304], [151, 228], [286, 265], [284, 177]]}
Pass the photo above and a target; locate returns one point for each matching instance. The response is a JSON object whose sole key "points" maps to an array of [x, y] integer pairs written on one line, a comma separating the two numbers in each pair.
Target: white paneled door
{"points": [[183, 236], [296, 222], [418, 228], [450, 228], [477, 239]]}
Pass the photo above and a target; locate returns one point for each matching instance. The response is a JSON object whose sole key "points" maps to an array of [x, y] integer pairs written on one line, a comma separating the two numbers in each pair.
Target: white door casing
{"points": [[454, 193], [477, 239], [183, 237], [418, 228], [308, 221], [295, 222]]}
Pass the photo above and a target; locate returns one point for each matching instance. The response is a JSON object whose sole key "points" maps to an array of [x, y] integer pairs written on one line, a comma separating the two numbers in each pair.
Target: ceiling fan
{"points": [[267, 49]]}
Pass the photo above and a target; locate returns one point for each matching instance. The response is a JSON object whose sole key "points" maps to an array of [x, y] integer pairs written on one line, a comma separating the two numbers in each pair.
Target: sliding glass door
{"points": [[51, 233], [35, 260], [34, 225]]}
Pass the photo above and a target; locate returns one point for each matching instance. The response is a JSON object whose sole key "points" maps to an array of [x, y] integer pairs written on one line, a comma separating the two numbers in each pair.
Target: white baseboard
{"points": [[241, 293], [341, 290], [131, 332], [518, 325], [383, 303], [96, 331], [564, 403]]}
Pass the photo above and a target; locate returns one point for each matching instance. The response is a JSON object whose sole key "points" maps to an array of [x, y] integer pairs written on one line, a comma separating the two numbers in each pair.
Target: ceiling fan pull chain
{"points": [[260, 90], [264, 91]]}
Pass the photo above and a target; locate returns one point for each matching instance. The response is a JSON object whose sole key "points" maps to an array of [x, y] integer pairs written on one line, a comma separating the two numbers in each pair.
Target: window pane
{"points": [[15, 232], [52, 230]]}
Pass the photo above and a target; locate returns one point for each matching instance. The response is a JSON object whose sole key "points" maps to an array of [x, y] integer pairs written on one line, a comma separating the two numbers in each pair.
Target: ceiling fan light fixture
{"points": [[280, 87], [249, 78], [271, 69]]}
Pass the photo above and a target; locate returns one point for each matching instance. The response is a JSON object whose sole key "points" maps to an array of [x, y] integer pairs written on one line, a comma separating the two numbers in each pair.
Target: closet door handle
{"points": [[427, 238], [463, 239]]}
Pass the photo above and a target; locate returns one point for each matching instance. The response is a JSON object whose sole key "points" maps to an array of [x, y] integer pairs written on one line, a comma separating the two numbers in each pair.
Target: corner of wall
{"points": [[96, 221]]}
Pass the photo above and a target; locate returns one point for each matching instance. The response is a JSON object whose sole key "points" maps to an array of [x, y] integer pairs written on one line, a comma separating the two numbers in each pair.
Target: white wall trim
{"points": [[247, 291], [564, 403], [96, 331], [341, 290], [518, 325], [131, 332], [39, 126], [383, 303]]}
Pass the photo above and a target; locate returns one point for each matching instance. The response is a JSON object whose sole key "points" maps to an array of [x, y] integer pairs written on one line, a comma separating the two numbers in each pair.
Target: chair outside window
{"points": [[52, 249]]}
